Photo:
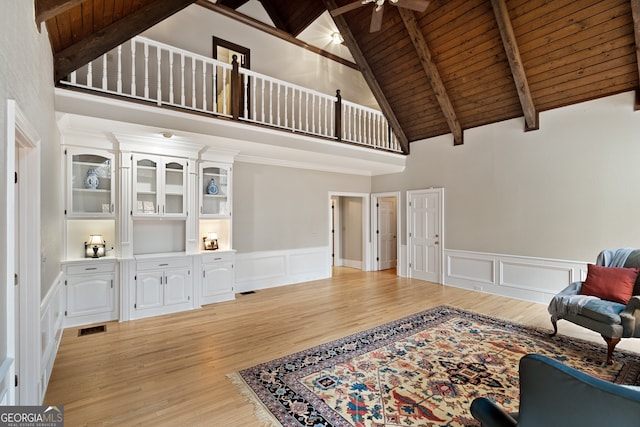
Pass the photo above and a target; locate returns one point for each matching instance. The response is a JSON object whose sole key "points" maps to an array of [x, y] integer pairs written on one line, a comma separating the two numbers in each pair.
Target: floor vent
{"points": [[247, 293], [92, 330]]}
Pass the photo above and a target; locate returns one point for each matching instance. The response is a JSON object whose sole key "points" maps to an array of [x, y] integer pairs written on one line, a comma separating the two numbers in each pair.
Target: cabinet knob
{"points": [[91, 268]]}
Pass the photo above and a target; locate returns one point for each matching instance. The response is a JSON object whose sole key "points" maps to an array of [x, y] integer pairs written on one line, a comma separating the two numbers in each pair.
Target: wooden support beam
{"points": [[274, 15], [430, 69], [635, 12], [515, 62], [369, 77], [114, 35], [47, 9]]}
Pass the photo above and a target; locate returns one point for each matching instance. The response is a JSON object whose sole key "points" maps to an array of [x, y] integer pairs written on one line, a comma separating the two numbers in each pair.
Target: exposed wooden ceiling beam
{"points": [[430, 69], [47, 9], [114, 35], [635, 12], [274, 15], [370, 78], [233, 4], [515, 62]]}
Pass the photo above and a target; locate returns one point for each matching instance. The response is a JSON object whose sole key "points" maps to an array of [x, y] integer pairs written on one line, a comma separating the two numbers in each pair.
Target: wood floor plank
{"points": [[172, 370]]}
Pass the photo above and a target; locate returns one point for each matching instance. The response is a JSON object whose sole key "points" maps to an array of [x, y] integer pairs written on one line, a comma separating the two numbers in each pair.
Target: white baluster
{"points": [[158, 75], [119, 82], [183, 99], [264, 100], [193, 82], [146, 71], [171, 95], [278, 105], [73, 77], [270, 101], [286, 107], [299, 109], [214, 80], [90, 74], [104, 72], [133, 68], [224, 92], [245, 87], [204, 86], [254, 99]]}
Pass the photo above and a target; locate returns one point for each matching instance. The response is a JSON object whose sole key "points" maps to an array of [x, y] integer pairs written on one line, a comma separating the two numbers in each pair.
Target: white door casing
{"points": [[424, 234]]}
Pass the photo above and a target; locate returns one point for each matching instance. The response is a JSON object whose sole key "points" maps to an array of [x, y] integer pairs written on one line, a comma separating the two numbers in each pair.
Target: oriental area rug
{"points": [[422, 370]]}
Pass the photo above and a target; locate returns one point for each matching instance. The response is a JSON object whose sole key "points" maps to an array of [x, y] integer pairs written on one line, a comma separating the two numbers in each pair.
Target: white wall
{"points": [[193, 27], [26, 76], [281, 208], [563, 192]]}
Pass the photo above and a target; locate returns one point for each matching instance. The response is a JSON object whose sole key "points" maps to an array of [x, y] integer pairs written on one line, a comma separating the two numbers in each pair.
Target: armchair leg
{"points": [[611, 344], [554, 322]]}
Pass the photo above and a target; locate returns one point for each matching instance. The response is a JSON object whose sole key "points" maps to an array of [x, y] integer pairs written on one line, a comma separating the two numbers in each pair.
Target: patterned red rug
{"points": [[423, 370]]}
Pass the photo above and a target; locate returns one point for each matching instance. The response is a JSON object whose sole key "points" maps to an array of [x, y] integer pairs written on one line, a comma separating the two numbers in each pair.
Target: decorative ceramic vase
{"points": [[91, 181], [212, 188]]}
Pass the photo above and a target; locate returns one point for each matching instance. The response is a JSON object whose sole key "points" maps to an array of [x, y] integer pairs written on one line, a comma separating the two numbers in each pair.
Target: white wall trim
{"points": [[268, 269], [527, 278], [51, 326]]}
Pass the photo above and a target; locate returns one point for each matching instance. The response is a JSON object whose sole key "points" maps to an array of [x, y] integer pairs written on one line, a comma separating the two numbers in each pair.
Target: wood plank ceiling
{"points": [[458, 65]]}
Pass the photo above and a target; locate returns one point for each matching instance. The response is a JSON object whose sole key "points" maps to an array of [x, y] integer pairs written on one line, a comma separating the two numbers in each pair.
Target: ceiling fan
{"points": [[376, 16]]}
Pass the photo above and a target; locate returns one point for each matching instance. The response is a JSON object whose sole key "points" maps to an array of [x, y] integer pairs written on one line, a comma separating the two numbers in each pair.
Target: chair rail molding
{"points": [[268, 269], [526, 278]]}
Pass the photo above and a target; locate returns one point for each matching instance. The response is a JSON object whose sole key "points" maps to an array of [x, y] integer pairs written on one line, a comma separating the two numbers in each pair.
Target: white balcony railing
{"points": [[147, 70]]}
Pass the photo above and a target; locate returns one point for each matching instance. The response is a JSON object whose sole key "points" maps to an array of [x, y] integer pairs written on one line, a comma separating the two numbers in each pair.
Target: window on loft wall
{"points": [[223, 51]]}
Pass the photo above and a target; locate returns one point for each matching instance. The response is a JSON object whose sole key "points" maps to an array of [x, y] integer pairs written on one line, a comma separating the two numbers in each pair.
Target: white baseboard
{"points": [[268, 269], [526, 278], [51, 327], [352, 263]]}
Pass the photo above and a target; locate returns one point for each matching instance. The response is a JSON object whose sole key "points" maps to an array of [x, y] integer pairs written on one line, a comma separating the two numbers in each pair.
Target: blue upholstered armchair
{"points": [[613, 320], [555, 395]]}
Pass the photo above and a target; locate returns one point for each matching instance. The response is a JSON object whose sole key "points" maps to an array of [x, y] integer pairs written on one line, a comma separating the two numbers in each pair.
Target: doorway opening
{"points": [[224, 51], [349, 233]]}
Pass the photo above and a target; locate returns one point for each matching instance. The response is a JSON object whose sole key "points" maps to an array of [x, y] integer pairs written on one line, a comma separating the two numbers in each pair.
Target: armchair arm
{"points": [[630, 318], [490, 415], [558, 304]]}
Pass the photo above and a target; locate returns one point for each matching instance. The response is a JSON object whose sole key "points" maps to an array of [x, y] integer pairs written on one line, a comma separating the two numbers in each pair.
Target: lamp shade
{"points": [[95, 239]]}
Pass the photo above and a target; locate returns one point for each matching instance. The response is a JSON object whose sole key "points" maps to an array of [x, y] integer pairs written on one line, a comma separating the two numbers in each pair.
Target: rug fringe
{"points": [[264, 415]]}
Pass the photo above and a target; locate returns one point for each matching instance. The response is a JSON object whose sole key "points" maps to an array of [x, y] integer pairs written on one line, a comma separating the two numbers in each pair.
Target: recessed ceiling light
{"points": [[167, 134]]}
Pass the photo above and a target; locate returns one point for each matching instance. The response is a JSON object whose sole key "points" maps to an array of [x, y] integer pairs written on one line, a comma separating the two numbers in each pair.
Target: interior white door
{"points": [[424, 234], [387, 233]]}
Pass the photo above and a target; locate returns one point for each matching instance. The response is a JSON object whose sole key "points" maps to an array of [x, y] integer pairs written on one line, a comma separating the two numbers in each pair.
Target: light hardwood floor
{"points": [[171, 370]]}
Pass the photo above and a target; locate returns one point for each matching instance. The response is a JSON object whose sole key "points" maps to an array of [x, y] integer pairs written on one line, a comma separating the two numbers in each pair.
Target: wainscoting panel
{"points": [[51, 328], [261, 270], [526, 278]]}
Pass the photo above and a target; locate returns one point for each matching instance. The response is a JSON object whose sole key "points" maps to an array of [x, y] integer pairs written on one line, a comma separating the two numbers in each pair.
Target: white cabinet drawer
{"points": [[89, 268], [208, 258], [163, 263]]}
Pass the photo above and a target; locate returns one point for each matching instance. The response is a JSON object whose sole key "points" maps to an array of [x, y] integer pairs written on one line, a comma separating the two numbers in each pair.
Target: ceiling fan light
{"points": [[336, 38]]}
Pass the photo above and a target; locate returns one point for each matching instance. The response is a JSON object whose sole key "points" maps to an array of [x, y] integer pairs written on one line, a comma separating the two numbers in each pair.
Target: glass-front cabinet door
{"points": [[160, 186], [175, 188], [215, 190], [90, 183], [146, 185]]}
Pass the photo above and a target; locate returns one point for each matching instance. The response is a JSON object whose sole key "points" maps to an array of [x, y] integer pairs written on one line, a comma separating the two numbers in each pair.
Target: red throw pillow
{"points": [[610, 283]]}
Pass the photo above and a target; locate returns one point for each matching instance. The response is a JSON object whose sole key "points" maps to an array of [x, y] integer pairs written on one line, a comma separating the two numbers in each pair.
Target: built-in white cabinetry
{"points": [[217, 278], [90, 183], [152, 200], [215, 190], [162, 285], [91, 291], [159, 186]]}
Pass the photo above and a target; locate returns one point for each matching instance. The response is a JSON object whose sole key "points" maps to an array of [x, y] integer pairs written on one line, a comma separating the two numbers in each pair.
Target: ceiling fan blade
{"points": [[417, 5], [347, 8], [376, 19]]}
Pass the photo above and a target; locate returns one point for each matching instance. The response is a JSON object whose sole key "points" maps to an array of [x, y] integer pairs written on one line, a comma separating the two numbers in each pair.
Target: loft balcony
{"points": [[152, 73]]}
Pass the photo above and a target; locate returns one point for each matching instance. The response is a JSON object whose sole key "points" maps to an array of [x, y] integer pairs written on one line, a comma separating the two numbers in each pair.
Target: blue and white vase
{"points": [[91, 182], [212, 188]]}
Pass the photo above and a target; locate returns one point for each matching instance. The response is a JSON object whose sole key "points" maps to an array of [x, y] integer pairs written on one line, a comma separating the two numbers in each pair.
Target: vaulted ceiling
{"points": [[457, 65]]}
